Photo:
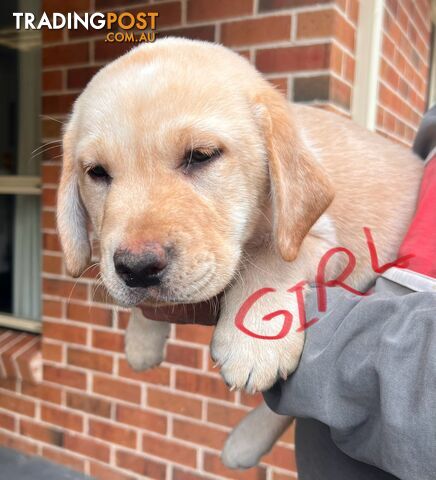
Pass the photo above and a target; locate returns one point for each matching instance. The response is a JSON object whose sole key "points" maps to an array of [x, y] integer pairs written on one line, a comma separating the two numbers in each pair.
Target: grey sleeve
{"points": [[368, 371]]}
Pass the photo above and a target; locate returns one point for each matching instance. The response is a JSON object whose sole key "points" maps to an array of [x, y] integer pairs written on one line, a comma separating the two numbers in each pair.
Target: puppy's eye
{"points": [[196, 157], [98, 173]]}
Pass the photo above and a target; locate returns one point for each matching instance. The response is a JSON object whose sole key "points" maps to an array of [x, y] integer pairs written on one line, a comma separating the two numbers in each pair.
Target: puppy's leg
{"points": [[253, 437], [247, 361], [145, 341]]}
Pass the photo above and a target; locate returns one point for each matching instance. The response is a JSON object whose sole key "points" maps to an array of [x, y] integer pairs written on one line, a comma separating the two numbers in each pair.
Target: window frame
{"points": [[20, 185], [368, 55]]}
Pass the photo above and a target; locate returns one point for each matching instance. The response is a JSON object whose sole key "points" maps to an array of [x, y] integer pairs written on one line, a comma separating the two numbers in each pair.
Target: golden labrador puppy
{"points": [[200, 178]]}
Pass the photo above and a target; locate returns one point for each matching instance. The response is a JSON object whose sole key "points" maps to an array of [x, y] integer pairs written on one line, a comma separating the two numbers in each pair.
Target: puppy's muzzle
{"points": [[144, 268]]}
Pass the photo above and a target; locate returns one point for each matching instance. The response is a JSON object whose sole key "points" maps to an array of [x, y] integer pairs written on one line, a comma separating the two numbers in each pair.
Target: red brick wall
{"points": [[92, 412], [404, 68]]}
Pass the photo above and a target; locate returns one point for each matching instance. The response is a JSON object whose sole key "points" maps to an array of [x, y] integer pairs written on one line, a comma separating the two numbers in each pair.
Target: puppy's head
{"points": [[173, 153]]}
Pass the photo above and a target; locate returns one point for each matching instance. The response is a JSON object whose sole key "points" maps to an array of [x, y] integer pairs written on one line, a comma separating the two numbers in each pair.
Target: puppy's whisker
{"points": [[47, 117], [45, 147]]}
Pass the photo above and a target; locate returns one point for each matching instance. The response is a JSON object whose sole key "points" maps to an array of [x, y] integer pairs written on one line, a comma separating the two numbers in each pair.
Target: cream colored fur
{"points": [[291, 183]]}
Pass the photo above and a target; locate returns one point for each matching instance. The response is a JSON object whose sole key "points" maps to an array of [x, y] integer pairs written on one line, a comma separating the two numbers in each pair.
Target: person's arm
{"points": [[368, 371]]}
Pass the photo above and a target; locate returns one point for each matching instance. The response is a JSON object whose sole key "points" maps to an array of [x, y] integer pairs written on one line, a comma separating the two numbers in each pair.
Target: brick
{"points": [[11, 384], [7, 421], [8, 337], [91, 314], [350, 68], [52, 80], [49, 196], [9, 441], [98, 470], [199, 433], [203, 385], [48, 220], [256, 31], [63, 458], [171, 450], [281, 457], [42, 391], [89, 360], [51, 174], [8, 354], [64, 288], [64, 332], [316, 24], [340, 93], [173, 402], [117, 389], [29, 363], [65, 54], [52, 154], [89, 404], [203, 32], [41, 432], [353, 11], [289, 435], [79, 77], [291, 59], [199, 10], [194, 333], [179, 474], [282, 476], [170, 13], [51, 129], [123, 319], [344, 32], [181, 355], [52, 36], [251, 400], [86, 446], [111, 341], [156, 375], [110, 4], [112, 433], [64, 376], [269, 5], [62, 418], [141, 465], [141, 419], [58, 104], [17, 404], [212, 464], [51, 351], [52, 264], [311, 88], [66, 6], [105, 51], [224, 415]]}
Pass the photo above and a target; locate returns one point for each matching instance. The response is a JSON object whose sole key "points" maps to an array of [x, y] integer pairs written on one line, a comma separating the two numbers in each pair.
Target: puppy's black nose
{"points": [[141, 269]]}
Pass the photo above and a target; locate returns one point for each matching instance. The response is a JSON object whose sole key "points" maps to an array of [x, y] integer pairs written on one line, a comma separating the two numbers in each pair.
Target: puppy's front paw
{"points": [[141, 355], [252, 363], [145, 341], [253, 437]]}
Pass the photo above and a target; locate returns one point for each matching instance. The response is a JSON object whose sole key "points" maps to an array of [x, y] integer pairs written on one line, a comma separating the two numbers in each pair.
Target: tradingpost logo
{"points": [[120, 27]]}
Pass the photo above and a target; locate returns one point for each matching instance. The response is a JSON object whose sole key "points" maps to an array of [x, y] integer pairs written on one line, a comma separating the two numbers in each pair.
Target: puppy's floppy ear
{"points": [[301, 190], [71, 215]]}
